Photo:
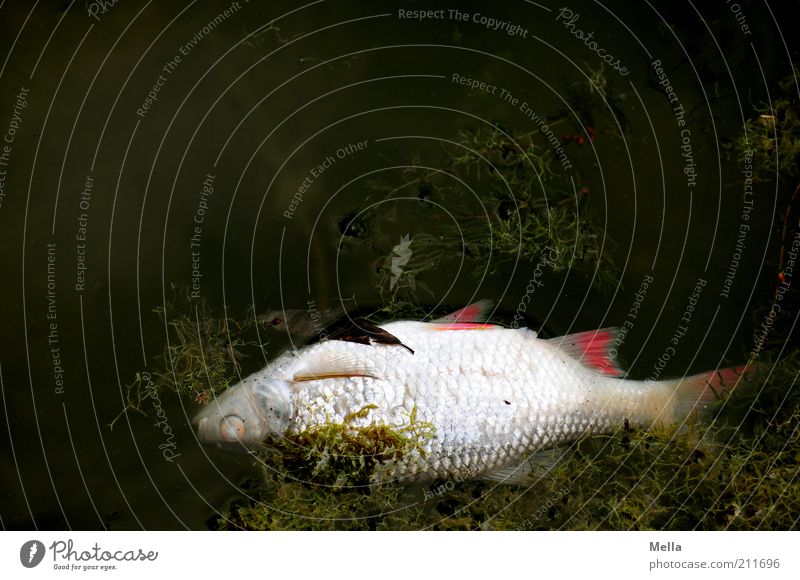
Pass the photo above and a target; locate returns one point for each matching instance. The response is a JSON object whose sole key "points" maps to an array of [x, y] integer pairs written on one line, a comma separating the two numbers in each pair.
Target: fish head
{"points": [[247, 414]]}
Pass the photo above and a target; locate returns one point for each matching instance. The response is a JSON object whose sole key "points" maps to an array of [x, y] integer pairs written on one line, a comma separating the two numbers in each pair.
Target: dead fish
{"points": [[494, 396]]}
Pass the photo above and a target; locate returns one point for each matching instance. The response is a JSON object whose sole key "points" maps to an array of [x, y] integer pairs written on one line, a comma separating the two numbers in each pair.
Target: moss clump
{"points": [[742, 473], [324, 478], [347, 454], [203, 353]]}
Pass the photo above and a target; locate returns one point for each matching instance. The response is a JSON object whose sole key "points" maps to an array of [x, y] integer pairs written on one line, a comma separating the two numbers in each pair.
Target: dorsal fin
{"points": [[533, 468], [362, 332], [474, 313], [594, 349]]}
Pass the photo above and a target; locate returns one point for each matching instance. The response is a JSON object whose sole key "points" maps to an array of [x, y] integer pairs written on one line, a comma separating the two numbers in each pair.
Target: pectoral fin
{"points": [[594, 349], [335, 366]]}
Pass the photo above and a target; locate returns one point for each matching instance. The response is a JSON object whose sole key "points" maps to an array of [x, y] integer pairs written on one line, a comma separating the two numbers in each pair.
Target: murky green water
{"points": [[157, 148]]}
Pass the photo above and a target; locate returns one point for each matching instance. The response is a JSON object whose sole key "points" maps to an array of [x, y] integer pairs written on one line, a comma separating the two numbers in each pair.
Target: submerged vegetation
{"points": [[732, 476], [739, 470], [497, 200], [344, 454], [201, 358], [493, 197], [205, 350], [771, 141]]}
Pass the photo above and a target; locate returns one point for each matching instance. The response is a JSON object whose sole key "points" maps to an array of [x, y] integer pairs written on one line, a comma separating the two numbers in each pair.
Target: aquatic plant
{"points": [[591, 103], [741, 473], [287, 504], [522, 209], [770, 141]]}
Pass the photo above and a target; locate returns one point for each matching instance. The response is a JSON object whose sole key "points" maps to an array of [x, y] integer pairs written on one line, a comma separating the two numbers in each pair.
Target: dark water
{"points": [[104, 211]]}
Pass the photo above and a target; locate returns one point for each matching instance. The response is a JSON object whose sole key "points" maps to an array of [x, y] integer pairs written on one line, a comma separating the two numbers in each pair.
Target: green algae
{"points": [[730, 475], [203, 353], [504, 202], [770, 141], [592, 102], [739, 472], [327, 477], [286, 504]]}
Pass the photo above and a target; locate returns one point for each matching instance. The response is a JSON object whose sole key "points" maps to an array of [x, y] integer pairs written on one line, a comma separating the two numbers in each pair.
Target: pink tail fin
{"points": [[697, 393]]}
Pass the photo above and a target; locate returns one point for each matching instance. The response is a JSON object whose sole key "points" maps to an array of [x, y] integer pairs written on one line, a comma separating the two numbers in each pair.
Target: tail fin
{"points": [[698, 393]]}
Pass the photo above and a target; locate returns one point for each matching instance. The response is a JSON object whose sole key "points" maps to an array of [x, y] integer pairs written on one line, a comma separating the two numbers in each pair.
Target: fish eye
{"points": [[232, 428]]}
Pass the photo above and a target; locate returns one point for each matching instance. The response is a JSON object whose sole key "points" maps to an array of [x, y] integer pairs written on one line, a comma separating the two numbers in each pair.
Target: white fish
{"points": [[493, 395]]}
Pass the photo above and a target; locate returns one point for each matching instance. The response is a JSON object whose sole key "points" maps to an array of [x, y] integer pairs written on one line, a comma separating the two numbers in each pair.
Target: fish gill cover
{"points": [[215, 192]]}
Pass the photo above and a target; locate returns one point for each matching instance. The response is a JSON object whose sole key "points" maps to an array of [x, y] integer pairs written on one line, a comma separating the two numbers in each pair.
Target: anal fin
{"points": [[532, 468]]}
